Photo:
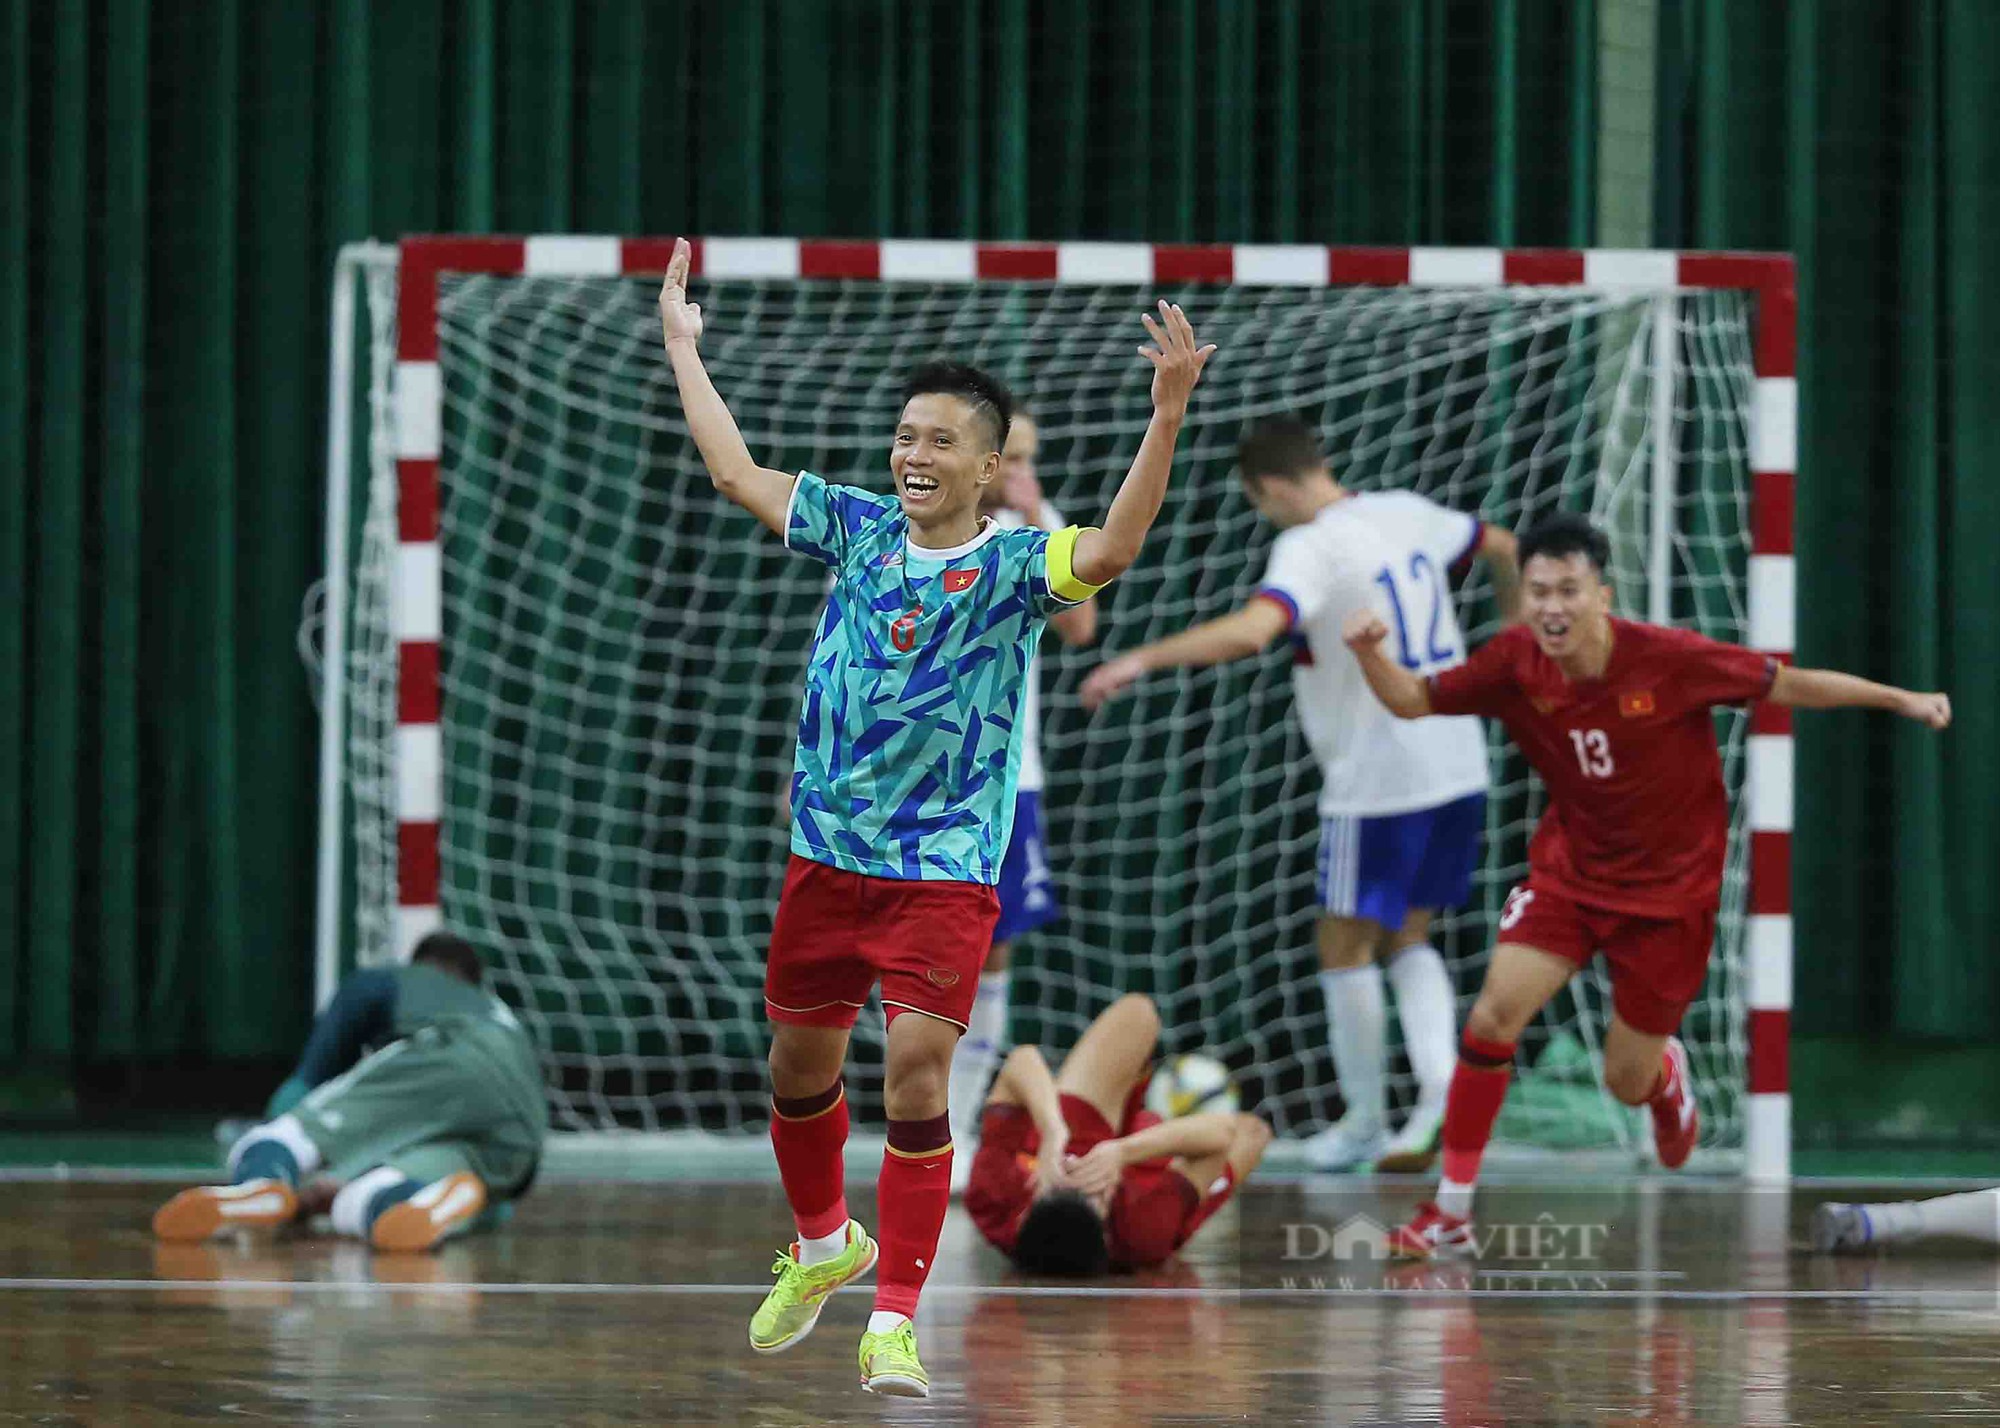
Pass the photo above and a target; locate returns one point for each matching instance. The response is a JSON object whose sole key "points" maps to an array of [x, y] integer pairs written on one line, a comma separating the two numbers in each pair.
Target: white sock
{"points": [[1427, 1007], [1454, 1199], [350, 1206], [1355, 1016], [883, 1320], [826, 1247], [286, 1131], [973, 1059], [1974, 1215]]}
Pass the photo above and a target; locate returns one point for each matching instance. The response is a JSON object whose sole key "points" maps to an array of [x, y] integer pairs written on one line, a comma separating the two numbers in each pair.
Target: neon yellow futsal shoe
{"points": [[790, 1310], [889, 1363]]}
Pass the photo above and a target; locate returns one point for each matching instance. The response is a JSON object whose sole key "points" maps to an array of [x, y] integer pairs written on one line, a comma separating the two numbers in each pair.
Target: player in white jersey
{"points": [[1027, 887], [1402, 803]]}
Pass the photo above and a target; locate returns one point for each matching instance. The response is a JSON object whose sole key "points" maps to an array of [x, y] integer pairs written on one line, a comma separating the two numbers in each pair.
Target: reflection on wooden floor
{"points": [[617, 1304]]}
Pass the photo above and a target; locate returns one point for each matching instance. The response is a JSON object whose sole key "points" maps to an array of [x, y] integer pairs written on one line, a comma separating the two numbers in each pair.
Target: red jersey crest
{"points": [[957, 580], [1636, 703]]}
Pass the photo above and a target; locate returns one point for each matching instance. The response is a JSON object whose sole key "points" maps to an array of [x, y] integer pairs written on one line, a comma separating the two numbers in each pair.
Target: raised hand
{"points": [[680, 320], [1363, 630], [1931, 710], [1177, 361]]}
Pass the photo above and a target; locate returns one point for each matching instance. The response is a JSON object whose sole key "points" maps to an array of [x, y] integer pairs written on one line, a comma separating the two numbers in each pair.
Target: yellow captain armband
{"points": [[1063, 581]]}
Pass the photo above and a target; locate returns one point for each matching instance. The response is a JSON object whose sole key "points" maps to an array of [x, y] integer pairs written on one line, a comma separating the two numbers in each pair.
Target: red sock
{"points": [[809, 1133], [1478, 1086], [910, 1201]]}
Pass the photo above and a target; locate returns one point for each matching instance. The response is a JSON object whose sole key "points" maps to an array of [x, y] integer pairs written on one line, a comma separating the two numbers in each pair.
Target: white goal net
{"points": [[622, 650]]}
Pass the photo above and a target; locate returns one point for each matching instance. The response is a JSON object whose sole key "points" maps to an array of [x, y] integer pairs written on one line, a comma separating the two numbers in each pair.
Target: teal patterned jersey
{"points": [[910, 732]]}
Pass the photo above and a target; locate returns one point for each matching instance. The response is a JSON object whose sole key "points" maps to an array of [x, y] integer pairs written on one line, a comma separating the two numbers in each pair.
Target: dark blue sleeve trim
{"points": [[1283, 601]]}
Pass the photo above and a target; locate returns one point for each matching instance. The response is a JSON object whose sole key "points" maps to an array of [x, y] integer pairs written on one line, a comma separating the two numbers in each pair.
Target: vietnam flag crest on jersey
{"points": [[957, 580], [1636, 703]]}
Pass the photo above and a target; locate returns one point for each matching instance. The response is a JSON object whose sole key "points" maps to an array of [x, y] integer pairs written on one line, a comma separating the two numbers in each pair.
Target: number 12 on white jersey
{"points": [[1425, 639]]}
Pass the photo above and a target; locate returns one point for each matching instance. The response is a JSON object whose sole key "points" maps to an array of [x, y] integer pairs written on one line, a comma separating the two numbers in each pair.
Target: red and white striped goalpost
{"points": [[417, 598]]}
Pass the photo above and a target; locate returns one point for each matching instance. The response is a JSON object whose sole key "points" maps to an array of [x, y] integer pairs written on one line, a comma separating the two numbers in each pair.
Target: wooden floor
{"points": [[627, 1304]]}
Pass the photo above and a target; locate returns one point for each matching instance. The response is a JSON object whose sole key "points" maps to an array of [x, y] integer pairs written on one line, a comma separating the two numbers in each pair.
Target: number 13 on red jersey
{"points": [[1593, 752]]}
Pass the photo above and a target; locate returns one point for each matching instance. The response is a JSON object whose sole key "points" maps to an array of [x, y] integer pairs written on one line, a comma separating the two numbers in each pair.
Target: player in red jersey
{"points": [[1614, 715], [1074, 1176]]}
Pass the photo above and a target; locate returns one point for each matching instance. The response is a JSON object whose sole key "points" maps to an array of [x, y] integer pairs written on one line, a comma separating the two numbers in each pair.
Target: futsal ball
{"points": [[1188, 1085]]}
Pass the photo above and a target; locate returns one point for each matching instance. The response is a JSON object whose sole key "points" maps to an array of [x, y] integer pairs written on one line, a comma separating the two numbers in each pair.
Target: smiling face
{"points": [[1565, 603], [944, 459]]}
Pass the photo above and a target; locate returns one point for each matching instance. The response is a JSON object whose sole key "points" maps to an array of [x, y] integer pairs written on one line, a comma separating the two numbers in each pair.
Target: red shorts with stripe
{"points": [[1658, 964], [838, 932]]}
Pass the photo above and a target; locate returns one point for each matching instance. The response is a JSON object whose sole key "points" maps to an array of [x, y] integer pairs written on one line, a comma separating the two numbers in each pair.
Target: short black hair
{"points": [[1062, 1235], [1286, 447], [449, 952], [986, 393], [1565, 534]]}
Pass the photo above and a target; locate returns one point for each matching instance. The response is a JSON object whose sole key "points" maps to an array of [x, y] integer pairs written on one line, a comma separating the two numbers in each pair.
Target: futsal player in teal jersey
{"points": [[903, 789]]}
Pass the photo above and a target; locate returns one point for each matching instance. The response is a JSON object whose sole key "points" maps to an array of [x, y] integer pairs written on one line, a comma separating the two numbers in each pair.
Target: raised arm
{"points": [[1237, 635], [764, 493], [1025, 1081], [1829, 689], [1103, 555], [1502, 554], [1402, 691]]}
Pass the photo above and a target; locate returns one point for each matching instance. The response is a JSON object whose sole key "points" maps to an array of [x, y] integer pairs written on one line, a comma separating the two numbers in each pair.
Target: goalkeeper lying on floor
{"points": [[418, 1101]]}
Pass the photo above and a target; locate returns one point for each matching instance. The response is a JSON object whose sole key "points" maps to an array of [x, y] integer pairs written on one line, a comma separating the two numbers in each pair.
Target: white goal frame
{"points": [[416, 597]]}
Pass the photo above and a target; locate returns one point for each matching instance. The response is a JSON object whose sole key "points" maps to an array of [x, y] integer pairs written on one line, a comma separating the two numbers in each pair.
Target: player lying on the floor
{"points": [[1973, 1215], [1074, 1177], [419, 1097]]}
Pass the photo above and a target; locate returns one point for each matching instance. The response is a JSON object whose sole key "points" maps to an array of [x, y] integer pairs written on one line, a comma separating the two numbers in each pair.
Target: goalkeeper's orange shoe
{"points": [[433, 1215], [205, 1210]]}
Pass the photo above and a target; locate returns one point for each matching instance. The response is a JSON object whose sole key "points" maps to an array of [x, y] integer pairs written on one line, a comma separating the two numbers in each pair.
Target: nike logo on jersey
{"points": [[957, 580]]}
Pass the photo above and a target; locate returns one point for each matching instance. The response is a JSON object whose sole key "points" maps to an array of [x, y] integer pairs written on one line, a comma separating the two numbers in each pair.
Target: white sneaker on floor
{"points": [[1837, 1228], [1411, 1150], [1347, 1144]]}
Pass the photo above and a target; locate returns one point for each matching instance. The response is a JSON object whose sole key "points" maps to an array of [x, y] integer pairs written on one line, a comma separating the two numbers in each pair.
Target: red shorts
{"points": [[837, 932], [1658, 964]]}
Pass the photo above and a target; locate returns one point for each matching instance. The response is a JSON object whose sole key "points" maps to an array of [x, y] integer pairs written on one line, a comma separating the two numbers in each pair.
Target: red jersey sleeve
{"points": [[1711, 672], [1002, 1181], [1483, 684]]}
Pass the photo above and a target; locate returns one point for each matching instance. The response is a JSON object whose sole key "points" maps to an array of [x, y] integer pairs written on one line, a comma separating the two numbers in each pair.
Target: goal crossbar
{"points": [[416, 597]]}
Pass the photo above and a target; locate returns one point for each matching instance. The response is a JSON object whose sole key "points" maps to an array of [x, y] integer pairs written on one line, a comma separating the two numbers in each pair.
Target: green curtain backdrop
{"points": [[1865, 138], [175, 176]]}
